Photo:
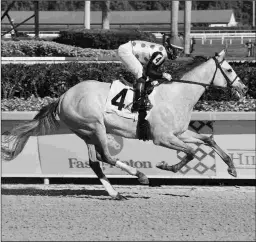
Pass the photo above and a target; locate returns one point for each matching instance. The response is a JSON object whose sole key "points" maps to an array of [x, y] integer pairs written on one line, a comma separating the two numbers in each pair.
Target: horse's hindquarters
{"points": [[82, 106]]}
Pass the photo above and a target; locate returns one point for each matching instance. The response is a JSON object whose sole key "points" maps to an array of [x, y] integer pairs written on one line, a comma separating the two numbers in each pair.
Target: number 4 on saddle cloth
{"points": [[120, 100]]}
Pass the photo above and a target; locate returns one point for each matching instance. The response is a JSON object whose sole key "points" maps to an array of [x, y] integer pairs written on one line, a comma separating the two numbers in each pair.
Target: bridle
{"points": [[218, 66]]}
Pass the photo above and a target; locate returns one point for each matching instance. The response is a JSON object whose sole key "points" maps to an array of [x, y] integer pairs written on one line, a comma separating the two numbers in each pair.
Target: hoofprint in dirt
{"points": [[87, 213]]}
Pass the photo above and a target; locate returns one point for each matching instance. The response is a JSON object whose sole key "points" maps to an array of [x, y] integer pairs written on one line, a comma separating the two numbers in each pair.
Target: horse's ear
{"points": [[226, 47], [222, 54]]}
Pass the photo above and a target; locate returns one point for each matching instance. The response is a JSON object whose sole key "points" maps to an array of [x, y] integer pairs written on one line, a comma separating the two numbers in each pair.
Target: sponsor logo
{"points": [[243, 158], [74, 163], [132, 163], [115, 144]]}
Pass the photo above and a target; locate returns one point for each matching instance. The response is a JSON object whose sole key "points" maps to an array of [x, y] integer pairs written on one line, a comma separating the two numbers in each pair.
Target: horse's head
{"points": [[225, 76]]}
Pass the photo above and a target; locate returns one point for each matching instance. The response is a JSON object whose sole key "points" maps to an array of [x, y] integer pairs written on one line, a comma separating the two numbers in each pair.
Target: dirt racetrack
{"points": [[87, 213]]}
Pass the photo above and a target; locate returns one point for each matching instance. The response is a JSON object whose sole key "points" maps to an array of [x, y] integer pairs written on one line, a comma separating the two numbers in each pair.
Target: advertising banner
{"points": [[241, 149], [26, 164], [64, 154], [237, 138], [67, 155]]}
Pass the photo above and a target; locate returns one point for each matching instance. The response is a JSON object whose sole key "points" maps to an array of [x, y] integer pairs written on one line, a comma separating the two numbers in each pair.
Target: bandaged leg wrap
{"points": [[128, 169]]}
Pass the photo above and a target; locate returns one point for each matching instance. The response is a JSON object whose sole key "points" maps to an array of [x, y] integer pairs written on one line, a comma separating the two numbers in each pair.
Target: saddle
{"points": [[117, 103]]}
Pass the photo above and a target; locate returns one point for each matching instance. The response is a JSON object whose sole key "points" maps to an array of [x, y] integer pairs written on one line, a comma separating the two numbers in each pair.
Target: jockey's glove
{"points": [[167, 76], [154, 83]]}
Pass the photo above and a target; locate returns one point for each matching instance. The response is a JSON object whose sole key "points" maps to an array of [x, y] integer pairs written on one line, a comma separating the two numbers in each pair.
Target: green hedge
{"points": [[42, 80], [38, 48], [102, 39]]}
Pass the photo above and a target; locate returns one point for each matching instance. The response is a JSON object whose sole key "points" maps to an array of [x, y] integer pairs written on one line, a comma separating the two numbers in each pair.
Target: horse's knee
{"points": [[190, 154], [209, 141]]}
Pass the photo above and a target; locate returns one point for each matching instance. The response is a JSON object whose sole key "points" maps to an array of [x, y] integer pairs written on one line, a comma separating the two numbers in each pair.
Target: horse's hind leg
{"points": [[192, 137], [102, 148], [95, 165], [94, 158]]}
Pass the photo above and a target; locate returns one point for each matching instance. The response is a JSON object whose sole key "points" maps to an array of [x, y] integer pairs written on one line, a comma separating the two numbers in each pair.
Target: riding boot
{"points": [[140, 101]]}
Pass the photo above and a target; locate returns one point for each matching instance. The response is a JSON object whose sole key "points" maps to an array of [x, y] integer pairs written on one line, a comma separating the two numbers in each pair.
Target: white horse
{"points": [[81, 108]]}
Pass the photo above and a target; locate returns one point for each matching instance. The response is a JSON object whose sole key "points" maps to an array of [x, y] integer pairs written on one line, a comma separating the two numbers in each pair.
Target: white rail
{"points": [[215, 35], [55, 60], [54, 34]]}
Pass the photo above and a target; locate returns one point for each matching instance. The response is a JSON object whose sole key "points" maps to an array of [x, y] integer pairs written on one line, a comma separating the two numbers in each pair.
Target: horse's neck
{"points": [[203, 73], [187, 95]]}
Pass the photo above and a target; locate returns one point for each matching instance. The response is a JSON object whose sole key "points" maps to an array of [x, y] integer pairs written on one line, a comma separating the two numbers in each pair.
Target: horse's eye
{"points": [[229, 70]]}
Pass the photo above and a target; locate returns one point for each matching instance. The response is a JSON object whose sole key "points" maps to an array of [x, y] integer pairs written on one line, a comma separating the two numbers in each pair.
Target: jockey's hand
{"points": [[167, 76], [154, 83]]}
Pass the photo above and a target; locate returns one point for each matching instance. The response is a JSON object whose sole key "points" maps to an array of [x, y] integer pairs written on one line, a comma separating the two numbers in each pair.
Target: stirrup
{"points": [[146, 105]]}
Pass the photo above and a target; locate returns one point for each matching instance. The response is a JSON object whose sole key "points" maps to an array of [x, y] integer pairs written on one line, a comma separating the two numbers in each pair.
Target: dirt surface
{"points": [[87, 213]]}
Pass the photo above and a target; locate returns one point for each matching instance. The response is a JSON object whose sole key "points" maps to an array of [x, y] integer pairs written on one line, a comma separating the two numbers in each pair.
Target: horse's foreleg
{"points": [[172, 142], [106, 157], [224, 156], [192, 137], [95, 165]]}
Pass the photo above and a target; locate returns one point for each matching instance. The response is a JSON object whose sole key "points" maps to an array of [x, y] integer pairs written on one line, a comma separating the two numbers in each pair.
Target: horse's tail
{"points": [[14, 141]]}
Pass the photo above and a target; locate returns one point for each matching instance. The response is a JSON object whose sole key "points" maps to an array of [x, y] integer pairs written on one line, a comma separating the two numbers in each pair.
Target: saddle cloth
{"points": [[120, 100]]}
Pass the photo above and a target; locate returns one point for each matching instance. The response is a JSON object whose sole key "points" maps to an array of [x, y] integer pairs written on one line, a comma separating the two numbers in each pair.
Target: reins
{"points": [[189, 82], [203, 84]]}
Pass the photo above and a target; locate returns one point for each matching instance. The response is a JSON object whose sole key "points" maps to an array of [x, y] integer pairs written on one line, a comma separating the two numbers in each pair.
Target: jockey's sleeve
{"points": [[156, 60]]}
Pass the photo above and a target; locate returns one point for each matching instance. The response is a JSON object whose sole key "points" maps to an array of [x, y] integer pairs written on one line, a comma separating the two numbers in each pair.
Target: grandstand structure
{"points": [[153, 21], [146, 20]]}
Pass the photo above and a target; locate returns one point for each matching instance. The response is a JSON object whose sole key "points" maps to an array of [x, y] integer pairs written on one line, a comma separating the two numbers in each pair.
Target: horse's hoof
{"points": [[164, 166], [142, 178], [232, 171], [120, 197], [161, 165]]}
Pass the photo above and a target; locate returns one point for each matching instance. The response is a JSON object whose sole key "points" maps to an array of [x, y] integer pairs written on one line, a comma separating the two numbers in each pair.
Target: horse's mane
{"points": [[188, 66]]}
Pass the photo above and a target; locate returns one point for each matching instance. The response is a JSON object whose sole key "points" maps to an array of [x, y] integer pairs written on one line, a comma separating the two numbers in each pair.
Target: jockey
{"points": [[143, 59]]}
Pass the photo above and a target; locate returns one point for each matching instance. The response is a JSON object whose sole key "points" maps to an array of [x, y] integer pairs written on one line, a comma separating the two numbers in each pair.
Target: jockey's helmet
{"points": [[173, 46]]}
